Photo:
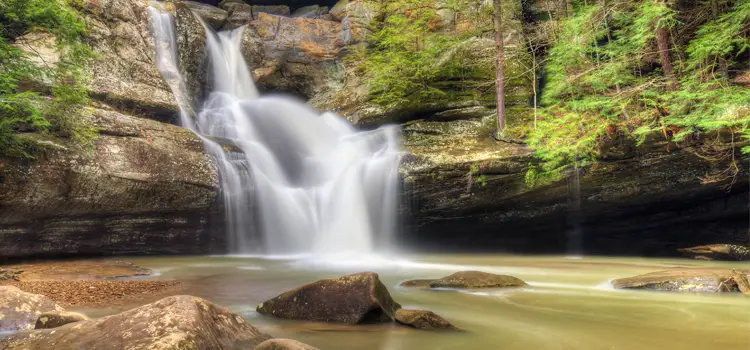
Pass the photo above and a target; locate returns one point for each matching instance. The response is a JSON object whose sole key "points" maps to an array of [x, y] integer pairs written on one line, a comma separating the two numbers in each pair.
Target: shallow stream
{"points": [[569, 304]]}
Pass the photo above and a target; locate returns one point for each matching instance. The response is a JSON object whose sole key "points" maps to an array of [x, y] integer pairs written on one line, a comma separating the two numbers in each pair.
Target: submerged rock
{"points": [[180, 322], [418, 283], [283, 344], [477, 279], [20, 310], [354, 299], [423, 319], [717, 252], [683, 280], [54, 319]]}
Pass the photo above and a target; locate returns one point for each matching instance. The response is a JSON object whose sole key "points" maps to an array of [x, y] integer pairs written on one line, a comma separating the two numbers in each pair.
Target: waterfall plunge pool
{"points": [[568, 305]]}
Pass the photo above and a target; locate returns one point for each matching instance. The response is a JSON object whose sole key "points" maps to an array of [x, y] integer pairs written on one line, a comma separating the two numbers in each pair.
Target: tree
{"points": [[662, 43], [499, 65]]}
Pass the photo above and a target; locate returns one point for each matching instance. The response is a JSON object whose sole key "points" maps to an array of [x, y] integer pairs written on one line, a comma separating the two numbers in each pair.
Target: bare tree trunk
{"points": [[662, 42], [533, 77], [499, 66], [723, 66]]}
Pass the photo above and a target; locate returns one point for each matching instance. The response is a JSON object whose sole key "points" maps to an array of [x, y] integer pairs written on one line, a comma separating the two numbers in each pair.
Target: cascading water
{"points": [[309, 183]]}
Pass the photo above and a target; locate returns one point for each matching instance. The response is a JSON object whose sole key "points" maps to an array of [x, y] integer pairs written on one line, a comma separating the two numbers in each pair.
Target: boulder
{"points": [[311, 12], [283, 344], [423, 319], [278, 10], [418, 283], [20, 310], [179, 322], [476, 279], [213, 16], [683, 280], [353, 299], [729, 252], [239, 14], [54, 319]]}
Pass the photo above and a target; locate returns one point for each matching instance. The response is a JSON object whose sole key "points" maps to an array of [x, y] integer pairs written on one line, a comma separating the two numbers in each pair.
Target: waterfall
{"points": [[306, 183]]}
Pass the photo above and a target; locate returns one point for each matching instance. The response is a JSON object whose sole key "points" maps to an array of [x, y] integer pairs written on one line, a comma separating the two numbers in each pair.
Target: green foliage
{"points": [[476, 177], [411, 60], [599, 79], [22, 110]]}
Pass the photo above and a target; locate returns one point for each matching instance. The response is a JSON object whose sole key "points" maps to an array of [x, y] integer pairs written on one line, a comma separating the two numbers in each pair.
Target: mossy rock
{"points": [[353, 299]]}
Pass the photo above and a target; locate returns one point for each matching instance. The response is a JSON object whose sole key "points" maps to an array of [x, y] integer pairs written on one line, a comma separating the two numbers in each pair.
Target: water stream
{"points": [[294, 181], [569, 304]]}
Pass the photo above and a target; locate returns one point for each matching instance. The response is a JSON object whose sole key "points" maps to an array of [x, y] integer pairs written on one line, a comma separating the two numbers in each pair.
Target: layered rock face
{"points": [[144, 187], [647, 201]]}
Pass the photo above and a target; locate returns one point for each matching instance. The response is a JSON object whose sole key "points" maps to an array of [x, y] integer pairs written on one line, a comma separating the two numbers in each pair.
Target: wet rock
{"points": [[683, 280], [283, 344], [419, 283], [730, 252], [312, 12], [476, 279], [354, 299], [20, 310], [54, 319], [191, 57], [278, 10], [239, 14], [180, 322], [214, 16], [423, 319]]}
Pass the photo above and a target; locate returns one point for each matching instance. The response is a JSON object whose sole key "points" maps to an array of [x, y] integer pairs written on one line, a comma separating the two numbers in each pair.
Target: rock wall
{"points": [[643, 201], [144, 187]]}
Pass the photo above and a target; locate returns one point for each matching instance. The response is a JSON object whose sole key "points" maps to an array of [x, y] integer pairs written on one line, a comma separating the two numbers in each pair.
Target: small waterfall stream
{"points": [[308, 183]]}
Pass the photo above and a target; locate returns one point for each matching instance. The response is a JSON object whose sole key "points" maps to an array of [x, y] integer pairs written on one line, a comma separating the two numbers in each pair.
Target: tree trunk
{"points": [[662, 42], [499, 66], [723, 66]]}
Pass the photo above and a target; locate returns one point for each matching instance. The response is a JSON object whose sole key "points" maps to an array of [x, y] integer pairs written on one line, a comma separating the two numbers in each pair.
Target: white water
{"points": [[308, 183]]}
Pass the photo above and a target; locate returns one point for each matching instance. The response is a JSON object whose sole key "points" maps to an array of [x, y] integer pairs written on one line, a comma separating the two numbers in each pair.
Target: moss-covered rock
{"points": [[353, 299], [477, 279]]}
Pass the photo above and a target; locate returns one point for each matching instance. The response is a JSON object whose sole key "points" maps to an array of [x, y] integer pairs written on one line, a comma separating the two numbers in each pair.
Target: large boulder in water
{"points": [[179, 322], [20, 310], [423, 319], [728, 252], [354, 299], [684, 280], [476, 279]]}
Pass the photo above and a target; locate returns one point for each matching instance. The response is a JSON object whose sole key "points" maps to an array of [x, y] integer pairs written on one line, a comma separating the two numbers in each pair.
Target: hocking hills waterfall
{"points": [[374, 174]]}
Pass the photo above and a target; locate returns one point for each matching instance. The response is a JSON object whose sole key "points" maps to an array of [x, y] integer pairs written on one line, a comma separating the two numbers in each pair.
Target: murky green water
{"points": [[568, 306]]}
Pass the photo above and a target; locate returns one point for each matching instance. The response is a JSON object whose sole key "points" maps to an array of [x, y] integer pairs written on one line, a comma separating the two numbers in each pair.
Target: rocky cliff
{"points": [[144, 187], [147, 187]]}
